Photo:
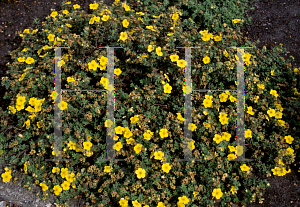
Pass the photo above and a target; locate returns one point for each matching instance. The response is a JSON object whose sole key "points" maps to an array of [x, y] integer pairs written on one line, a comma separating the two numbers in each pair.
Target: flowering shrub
{"points": [[148, 118]]}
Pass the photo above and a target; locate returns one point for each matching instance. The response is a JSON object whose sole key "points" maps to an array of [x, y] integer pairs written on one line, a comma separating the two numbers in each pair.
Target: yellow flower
{"points": [[118, 146], [289, 151], [134, 119], [119, 130], [280, 162], [76, 6], [12, 109], [236, 20], [226, 136], [167, 88], [217, 193], [278, 115], [92, 20], [158, 51], [163, 133], [29, 60], [233, 190], [123, 36], [147, 135], [87, 145], [117, 71], [223, 97], [105, 18], [62, 105], [65, 12], [44, 186], [129, 141], [262, 86], [231, 156], [206, 60], [183, 200], [93, 65], [225, 53], [188, 91], [248, 133], [136, 204], [218, 38], [51, 37], [250, 110], [232, 98], [206, 124], [140, 173], [181, 63], [103, 60], [150, 27], [55, 169], [174, 58], [224, 120], [126, 7], [68, 25], [68, 2], [244, 168], [104, 81], [192, 127], [207, 103], [138, 148], [180, 204], [281, 123], [207, 37], [127, 132], [26, 31], [175, 16], [6, 177], [217, 138], [57, 189], [125, 23], [21, 59], [27, 124], [150, 48], [123, 202], [94, 6], [53, 14], [66, 185], [96, 19], [108, 169], [69, 79], [140, 19], [274, 93], [191, 145], [289, 139], [271, 112], [64, 172], [272, 72]]}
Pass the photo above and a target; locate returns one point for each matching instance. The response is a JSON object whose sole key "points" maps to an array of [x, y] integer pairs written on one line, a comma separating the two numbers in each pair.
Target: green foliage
{"points": [[140, 91]]}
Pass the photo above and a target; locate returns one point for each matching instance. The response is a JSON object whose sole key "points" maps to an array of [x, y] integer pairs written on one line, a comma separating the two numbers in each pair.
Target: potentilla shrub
{"points": [[149, 110]]}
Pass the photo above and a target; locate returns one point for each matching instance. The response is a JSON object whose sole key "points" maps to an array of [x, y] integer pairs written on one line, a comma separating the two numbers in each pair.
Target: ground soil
{"points": [[273, 22]]}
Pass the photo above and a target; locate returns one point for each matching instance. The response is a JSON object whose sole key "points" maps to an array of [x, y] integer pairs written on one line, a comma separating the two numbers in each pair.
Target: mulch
{"points": [[273, 22]]}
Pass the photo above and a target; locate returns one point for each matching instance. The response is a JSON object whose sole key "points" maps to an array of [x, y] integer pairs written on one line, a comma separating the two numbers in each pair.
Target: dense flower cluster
{"points": [[163, 171]]}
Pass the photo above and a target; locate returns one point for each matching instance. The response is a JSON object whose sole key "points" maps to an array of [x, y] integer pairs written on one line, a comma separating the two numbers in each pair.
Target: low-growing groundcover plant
{"points": [[149, 122]]}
